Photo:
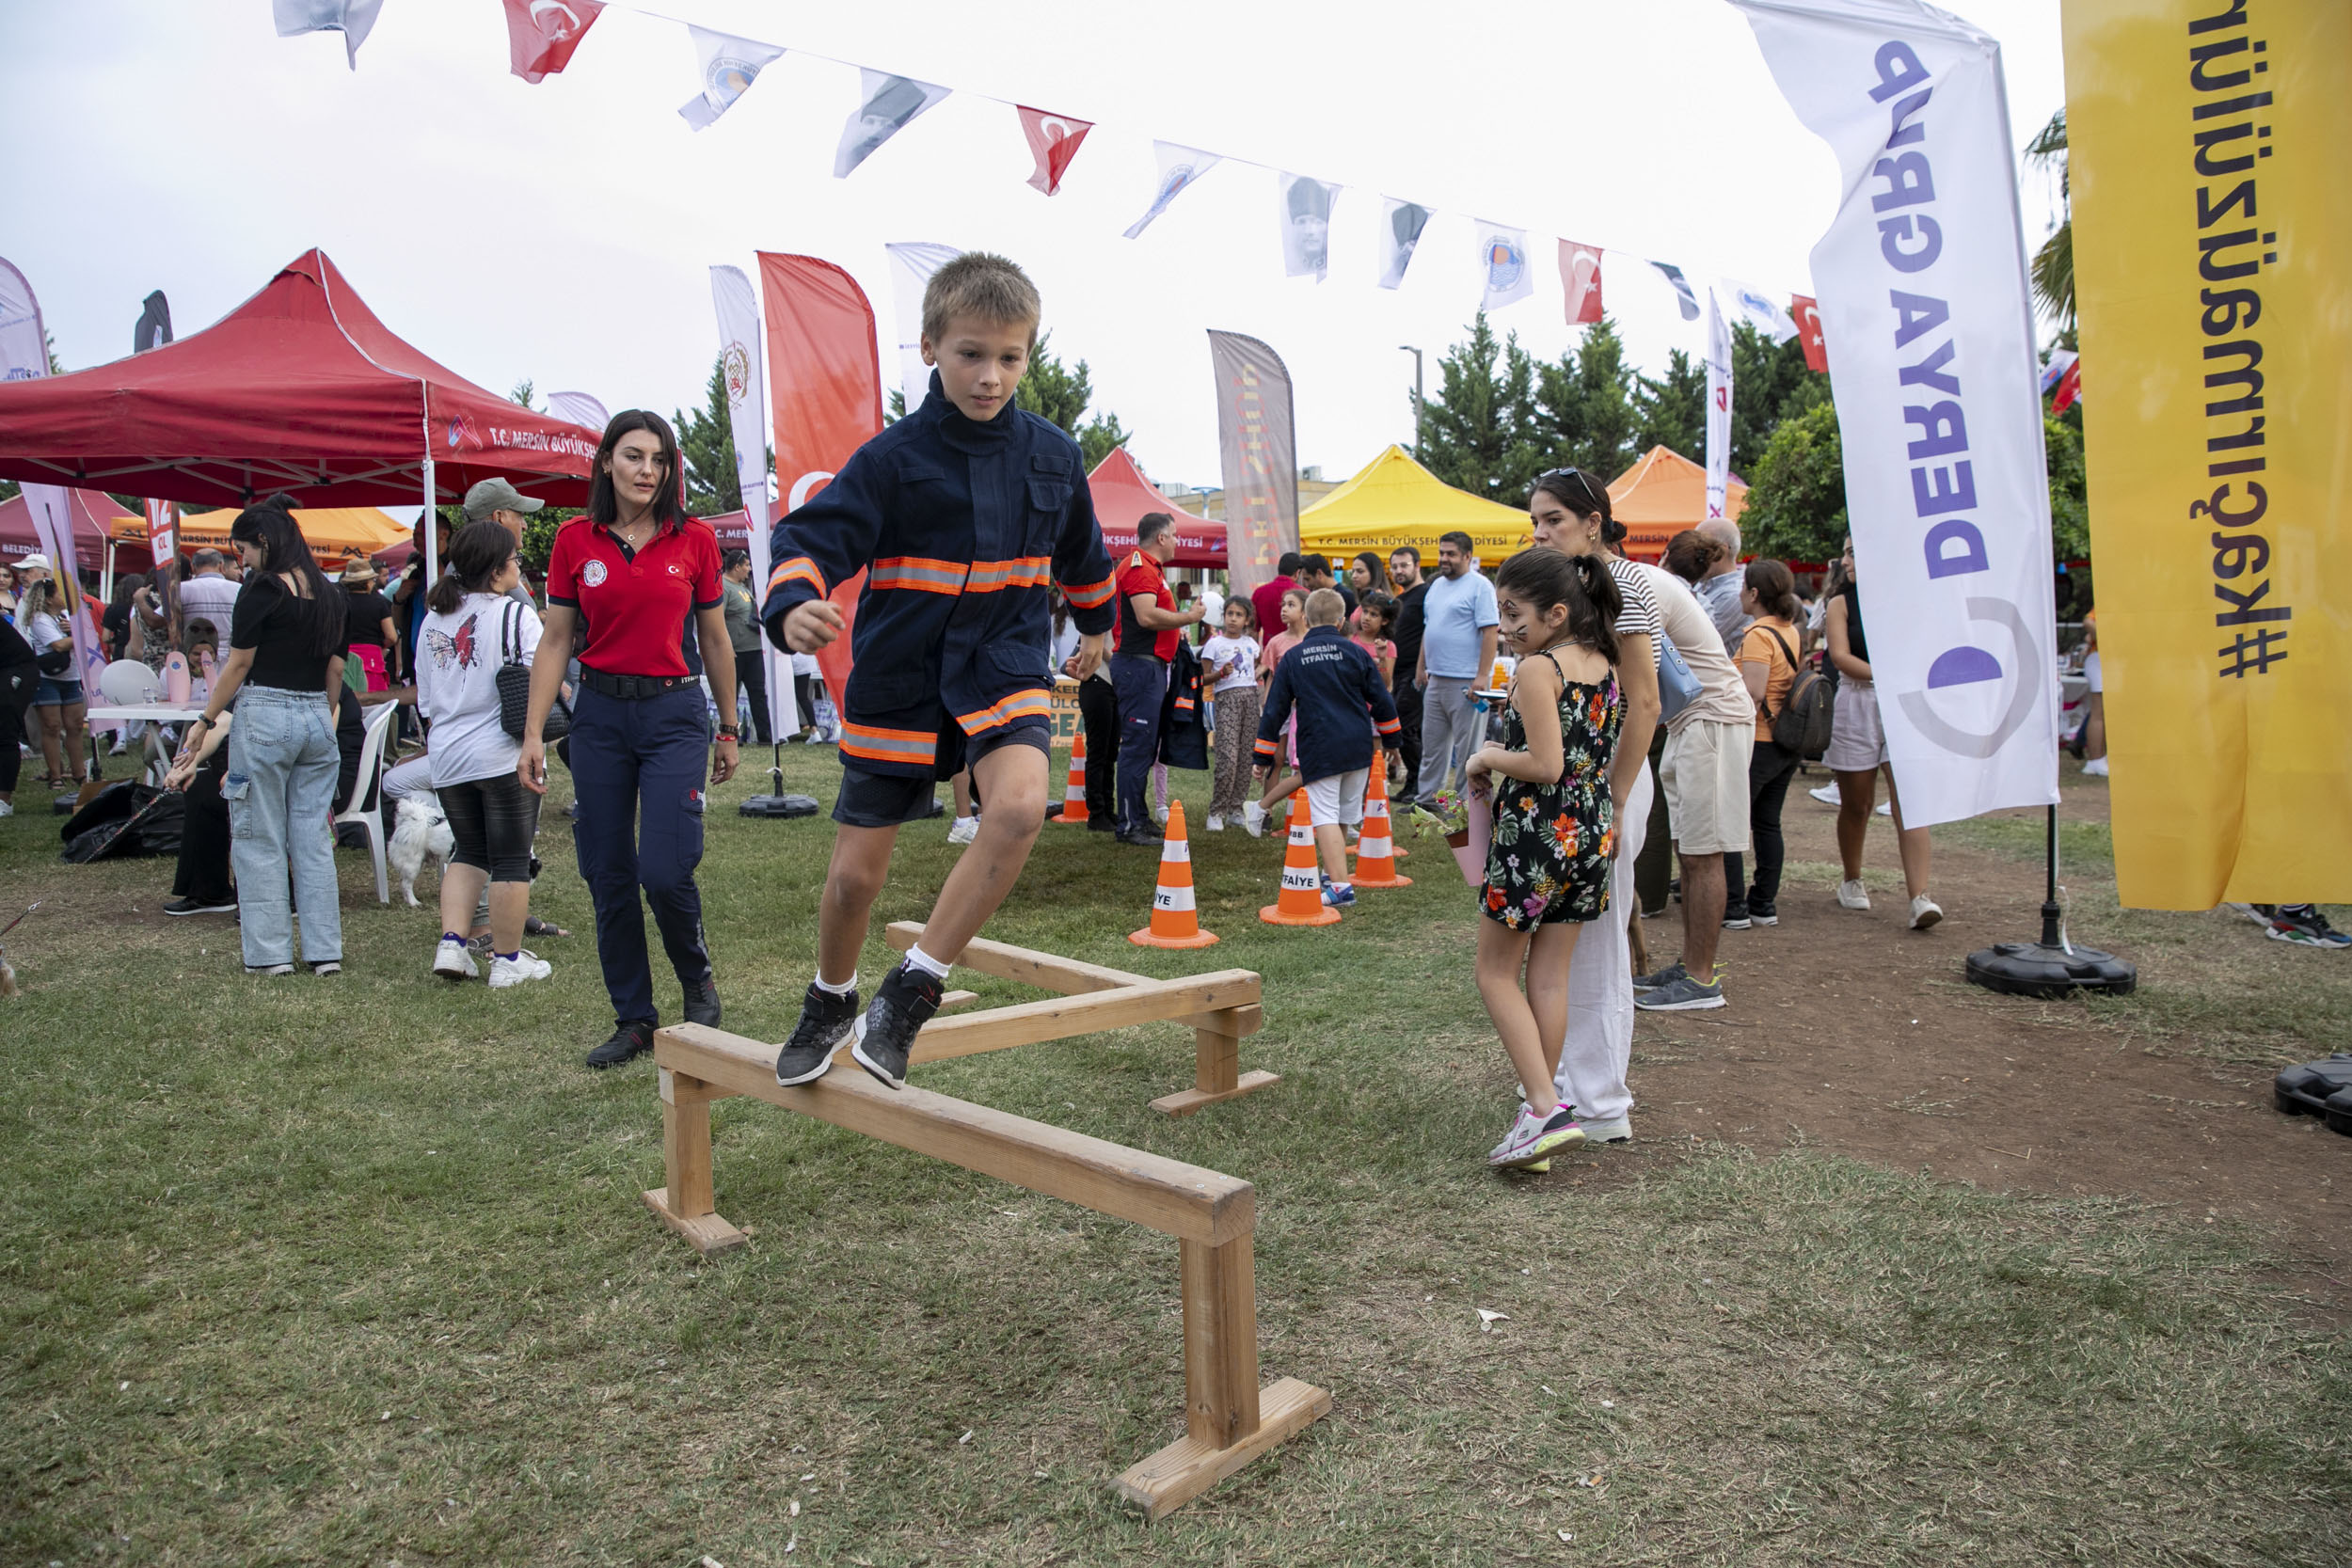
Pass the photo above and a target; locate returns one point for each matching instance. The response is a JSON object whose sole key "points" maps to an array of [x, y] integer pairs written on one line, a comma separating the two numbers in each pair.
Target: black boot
{"points": [[886, 1030]]}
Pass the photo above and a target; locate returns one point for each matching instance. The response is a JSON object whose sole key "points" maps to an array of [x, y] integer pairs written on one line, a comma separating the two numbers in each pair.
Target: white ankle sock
{"points": [[844, 988], [917, 958]]}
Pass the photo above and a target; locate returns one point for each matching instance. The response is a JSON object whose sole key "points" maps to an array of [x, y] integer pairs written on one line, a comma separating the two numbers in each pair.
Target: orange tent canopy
{"points": [[1663, 494]]}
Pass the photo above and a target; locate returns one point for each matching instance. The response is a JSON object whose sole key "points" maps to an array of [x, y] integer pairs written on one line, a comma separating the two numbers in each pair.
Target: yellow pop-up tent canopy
{"points": [[1394, 501], [332, 532]]}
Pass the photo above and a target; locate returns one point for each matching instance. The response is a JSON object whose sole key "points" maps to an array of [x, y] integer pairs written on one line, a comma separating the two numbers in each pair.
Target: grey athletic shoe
{"points": [[826, 1021], [1684, 995], [1661, 979]]}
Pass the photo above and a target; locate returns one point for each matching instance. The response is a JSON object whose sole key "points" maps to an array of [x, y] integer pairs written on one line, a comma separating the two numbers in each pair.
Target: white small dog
{"points": [[420, 832]]}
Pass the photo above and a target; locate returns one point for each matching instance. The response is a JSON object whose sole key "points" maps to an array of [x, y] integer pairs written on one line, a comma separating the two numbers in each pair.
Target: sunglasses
{"points": [[1583, 481]]}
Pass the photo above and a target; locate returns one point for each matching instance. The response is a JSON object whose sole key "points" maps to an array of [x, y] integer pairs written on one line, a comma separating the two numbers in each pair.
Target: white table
{"points": [[156, 714]]}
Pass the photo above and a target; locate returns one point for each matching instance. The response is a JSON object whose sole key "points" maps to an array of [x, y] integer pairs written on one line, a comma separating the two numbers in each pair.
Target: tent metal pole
{"points": [[432, 533], [106, 575]]}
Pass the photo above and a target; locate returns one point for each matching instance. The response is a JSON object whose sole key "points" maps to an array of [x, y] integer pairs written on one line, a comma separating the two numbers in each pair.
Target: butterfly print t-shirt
{"points": [[458, 665]]}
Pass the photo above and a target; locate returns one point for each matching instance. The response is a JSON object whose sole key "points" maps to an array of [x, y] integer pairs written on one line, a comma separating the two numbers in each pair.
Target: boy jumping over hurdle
{"points": [[962, 511]]}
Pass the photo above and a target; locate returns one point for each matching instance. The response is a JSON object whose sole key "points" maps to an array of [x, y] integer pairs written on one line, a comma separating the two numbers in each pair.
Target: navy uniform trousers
{"points": [[648, 756]]}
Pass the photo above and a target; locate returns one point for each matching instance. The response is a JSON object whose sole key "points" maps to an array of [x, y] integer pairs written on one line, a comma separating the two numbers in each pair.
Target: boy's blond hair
{"points": [[1325, 607], [977, 283]]}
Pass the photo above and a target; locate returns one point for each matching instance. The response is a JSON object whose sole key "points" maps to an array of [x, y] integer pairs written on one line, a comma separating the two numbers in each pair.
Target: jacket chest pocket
{"points": [[1050, 481]]}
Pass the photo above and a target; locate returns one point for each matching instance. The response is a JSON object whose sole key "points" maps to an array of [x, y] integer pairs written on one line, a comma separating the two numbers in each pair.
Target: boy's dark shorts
{"points": [[889, 800]]}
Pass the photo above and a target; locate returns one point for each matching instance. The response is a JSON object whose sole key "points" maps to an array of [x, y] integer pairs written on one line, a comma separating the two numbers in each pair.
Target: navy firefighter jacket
{"points": [[959, 526], [1334, 685]]}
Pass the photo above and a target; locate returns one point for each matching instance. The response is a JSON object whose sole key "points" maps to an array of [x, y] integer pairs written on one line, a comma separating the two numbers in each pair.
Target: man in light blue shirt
{"points": [[1457, 653]]}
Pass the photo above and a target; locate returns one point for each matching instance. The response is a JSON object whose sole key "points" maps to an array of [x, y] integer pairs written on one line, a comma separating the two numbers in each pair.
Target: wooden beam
{"points": [[1069, 976], [1183, 1200], [1062, 1016], [1189, 1467], [1221, 1295], [1184, 1101], [684, 1202]]}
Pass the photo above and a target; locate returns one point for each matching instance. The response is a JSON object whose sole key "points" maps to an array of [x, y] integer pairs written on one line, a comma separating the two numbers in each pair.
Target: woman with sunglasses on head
{"points": [[639, 581], [1569, 510], [285, 675]]}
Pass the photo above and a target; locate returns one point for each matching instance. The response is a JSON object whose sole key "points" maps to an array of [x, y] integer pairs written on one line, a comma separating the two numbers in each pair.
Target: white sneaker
{"points": [[963, 829], [1215, 823], [524, 965], [1827, 794], [2096, 768], [1160, 816], [1617, 1131], [7, 810], [1886, 808], [1853, 896], [452, 962], [1253, 818], [1924, 913], [115, 750]]}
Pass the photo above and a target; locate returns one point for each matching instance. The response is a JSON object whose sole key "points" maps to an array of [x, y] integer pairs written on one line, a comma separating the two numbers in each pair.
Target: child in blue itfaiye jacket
{"points": [[963, 512], [1339, 696]]}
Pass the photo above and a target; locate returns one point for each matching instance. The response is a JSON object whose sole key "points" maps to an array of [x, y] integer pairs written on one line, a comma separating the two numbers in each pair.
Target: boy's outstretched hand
{"points": [[1088, 660], [811, 625]]}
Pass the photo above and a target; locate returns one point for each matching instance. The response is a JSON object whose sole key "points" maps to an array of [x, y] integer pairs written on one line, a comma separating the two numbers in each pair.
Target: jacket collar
{"points": [[966, 435], [1325, 632]]}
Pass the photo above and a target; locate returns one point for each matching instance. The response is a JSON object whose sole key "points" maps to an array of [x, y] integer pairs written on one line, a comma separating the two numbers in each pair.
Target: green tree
{"points": [[1479, 431], [1585, 411], [2053, 262], [1768, 383], [705, 440], [2070, 503], [1673, 408], [1796, 507], [1056, 392]]}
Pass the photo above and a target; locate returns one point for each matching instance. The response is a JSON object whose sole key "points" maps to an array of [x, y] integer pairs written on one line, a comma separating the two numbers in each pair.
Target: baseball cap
{"points": [[34, 563], [496, 495]]}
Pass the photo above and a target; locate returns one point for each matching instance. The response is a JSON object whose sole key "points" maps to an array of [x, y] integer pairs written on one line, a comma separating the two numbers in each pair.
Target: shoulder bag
{"points": [[514, 680]]}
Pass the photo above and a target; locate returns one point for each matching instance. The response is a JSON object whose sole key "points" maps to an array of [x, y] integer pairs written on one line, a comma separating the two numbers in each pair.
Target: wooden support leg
{"points": [[1217, 1074], [1229, 1420], [685, 1204]]}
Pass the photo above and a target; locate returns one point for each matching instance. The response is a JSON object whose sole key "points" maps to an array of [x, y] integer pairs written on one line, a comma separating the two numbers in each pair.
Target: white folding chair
{"points": [[356, 809]]}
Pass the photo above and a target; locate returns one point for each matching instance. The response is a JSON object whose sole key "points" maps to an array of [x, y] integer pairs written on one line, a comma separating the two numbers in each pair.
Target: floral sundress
{"points": [[1549, 858]]}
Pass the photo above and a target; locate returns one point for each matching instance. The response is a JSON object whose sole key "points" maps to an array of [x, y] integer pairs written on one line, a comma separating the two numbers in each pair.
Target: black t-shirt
{"points": [[117, 625], [270, 621], [1406, 633], [369, 612]]}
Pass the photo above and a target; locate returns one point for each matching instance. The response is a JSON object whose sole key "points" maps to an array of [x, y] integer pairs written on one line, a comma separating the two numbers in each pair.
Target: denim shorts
{"points": [[889, 800], [56, 693]]}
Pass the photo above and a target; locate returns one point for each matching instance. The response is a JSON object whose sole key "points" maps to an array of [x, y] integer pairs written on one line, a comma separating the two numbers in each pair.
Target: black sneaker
{"points": [[826, 1020], [1735, 917], [199, 905], [1101, 825], [1142, 832], [702, 1002], [885, 1031], [629, 1041], [1763, 915]]}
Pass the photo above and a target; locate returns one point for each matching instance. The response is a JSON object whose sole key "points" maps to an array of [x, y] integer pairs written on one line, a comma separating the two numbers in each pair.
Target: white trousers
{"points": [[1600, 1040]]}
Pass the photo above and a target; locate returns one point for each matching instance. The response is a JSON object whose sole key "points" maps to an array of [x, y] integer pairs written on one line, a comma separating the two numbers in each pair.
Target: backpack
{"points": [[1803, 723]]}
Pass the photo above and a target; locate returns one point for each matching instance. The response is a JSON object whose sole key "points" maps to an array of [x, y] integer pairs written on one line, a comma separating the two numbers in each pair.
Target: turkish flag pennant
{"points": [[1579, 277], [1053, 141], [542, 34], [1808, 318]]}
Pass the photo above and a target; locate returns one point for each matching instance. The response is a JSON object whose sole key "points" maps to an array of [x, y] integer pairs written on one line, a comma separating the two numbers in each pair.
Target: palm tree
{"points": [[2054, 264]]}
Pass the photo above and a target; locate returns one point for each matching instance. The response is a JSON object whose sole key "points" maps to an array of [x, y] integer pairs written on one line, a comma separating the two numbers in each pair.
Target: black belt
{"points": [[631, 689]]}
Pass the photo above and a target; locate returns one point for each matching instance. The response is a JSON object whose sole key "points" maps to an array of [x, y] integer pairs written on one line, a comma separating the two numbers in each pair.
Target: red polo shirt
{"points": [[1140, 574], [635, 608]]}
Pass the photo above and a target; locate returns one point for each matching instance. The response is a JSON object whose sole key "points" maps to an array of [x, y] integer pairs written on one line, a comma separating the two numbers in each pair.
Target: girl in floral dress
{"points": [[1547, 861]]}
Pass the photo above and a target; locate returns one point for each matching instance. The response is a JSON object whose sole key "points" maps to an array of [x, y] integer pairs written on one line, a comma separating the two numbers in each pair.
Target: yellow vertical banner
{"points": [[2210, 153]]}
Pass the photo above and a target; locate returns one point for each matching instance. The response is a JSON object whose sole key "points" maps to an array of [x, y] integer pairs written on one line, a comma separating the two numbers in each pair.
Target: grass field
{"points": [[356, 1272]]}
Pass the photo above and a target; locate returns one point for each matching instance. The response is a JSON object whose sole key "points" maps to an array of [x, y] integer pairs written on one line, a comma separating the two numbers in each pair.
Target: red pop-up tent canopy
{"points": [[93, 516], [1123, 496], [300, 388]]}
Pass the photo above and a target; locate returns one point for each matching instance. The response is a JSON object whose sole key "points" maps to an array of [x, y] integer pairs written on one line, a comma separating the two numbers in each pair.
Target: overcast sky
{"points": [[563, 233]]}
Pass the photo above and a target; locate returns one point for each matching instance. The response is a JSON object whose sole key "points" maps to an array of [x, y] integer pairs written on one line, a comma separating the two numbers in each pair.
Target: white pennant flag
{"points": [[1718, 407], [581, 409], [1759, 309], [730, 65], [1179, 168], [1502, 254], [1401, 223], [1306, 226], [910, 269], [740, 362], [25, 357], [1684, 299], [884, 108], [353, 19]]}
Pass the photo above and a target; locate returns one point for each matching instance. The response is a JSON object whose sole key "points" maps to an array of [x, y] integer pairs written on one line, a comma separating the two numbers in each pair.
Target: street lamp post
{"points": [[1419, 406]]}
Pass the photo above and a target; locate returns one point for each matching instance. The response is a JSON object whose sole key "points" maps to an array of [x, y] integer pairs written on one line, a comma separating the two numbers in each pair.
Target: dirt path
{"points": [[1889, 1055]]}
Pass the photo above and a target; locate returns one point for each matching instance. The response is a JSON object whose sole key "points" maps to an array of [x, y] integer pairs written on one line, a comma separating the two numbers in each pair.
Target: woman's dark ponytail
{"points": [[1542, 577], [476, 556]]}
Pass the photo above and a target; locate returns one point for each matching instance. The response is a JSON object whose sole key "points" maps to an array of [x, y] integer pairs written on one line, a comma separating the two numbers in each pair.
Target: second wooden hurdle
{"points": [[1229, 1420], [1222, 1008]]}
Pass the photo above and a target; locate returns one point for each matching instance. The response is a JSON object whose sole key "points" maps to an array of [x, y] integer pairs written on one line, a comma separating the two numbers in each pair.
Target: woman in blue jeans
{"points": [[284, 670]]}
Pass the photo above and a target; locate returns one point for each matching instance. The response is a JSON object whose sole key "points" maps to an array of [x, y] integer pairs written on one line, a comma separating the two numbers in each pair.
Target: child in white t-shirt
{"points": [[1229, 667]]}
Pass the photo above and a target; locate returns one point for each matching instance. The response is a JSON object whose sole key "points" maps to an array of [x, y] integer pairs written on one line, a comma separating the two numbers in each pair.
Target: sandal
{"points": [[534, 927]]}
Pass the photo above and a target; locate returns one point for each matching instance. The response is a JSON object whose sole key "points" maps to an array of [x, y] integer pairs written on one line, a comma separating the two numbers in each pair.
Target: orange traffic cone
{"points": [[1375, 852], [1174, 924], [1073, 795], [1301, 902]]}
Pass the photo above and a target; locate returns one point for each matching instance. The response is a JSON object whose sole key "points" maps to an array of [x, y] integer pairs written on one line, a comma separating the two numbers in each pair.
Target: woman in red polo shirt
{"points": [[632, 575]]}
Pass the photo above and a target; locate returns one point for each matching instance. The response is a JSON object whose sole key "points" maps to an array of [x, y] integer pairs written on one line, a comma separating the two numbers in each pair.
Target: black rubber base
{"points": [[2039, 969], [778, 805]]}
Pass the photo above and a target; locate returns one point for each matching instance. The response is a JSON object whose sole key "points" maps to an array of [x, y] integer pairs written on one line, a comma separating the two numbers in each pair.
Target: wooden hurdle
{"points": [[1222, 1007], [1229, 1420]]}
